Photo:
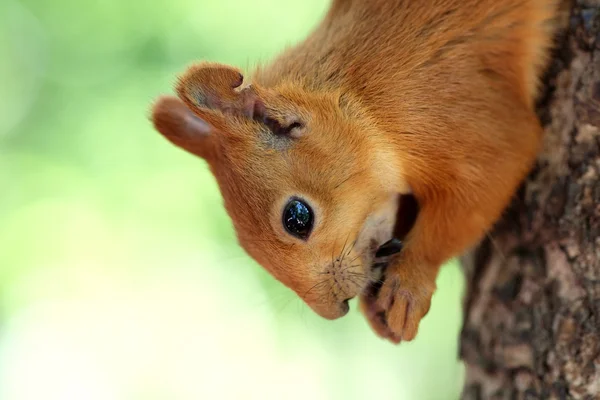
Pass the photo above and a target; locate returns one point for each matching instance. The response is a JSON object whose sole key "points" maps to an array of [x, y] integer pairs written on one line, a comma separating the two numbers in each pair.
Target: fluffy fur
{"points": [[385, 97]]}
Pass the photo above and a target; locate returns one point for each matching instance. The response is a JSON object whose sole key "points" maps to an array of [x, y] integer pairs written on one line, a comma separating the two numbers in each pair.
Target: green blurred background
{"points": [[120, 276]]}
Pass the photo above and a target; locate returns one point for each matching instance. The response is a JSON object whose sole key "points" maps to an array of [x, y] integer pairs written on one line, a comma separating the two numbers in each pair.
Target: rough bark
{"points": [[532, 310]]}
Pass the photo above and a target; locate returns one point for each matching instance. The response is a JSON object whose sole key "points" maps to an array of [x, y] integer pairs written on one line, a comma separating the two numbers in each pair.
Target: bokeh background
{"points": [[120, 276]]}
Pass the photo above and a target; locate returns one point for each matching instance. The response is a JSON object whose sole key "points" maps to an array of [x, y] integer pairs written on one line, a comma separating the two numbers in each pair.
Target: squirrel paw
{"points": [[395, 308]]}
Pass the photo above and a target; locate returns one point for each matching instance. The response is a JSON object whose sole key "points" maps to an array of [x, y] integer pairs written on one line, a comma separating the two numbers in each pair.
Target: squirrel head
{"points": [[305, 177]]}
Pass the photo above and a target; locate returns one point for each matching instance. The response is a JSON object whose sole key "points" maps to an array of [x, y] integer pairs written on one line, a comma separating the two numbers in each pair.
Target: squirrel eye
{"points": [[298, 218]]}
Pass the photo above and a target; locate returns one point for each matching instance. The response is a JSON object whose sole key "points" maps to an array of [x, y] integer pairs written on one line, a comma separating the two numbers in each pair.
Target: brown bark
{"points": [[532, 311]]}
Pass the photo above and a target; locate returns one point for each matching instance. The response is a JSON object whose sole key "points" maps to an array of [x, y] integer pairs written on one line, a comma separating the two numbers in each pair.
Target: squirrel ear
{"points": [[215, 87], [183, 128], [209, 96]]}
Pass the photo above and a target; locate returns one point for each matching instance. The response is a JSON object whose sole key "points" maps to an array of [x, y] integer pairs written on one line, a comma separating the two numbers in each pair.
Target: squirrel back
{"points": [[384, 48]]}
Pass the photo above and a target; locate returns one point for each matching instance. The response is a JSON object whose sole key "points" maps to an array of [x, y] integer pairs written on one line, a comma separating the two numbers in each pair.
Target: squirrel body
{"points": [[429, 98]]}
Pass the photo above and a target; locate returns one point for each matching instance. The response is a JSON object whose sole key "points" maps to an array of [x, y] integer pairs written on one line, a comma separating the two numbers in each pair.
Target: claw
{"points": [[389, 248]]}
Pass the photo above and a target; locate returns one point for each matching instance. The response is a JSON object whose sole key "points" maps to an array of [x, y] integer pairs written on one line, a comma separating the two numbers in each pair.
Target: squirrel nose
{"points": [[344, 307], [333, 310]]}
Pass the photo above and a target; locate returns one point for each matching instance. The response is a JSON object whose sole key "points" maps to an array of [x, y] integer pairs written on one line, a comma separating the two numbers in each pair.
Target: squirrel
{"points": [[433, 99]]}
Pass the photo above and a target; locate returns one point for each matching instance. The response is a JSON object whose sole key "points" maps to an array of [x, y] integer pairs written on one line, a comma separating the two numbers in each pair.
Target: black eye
{"points": [[298, 218]]}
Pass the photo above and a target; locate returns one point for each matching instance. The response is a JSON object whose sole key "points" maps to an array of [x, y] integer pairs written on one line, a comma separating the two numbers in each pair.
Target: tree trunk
{"points": [[532, 311]]}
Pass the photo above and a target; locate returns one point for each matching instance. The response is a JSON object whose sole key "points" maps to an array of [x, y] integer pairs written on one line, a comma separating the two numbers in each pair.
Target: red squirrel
{"points": [[428, 98]]}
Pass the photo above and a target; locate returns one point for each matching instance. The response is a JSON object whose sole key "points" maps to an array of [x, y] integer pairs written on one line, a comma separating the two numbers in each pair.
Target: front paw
{"points": [[395, 307]]}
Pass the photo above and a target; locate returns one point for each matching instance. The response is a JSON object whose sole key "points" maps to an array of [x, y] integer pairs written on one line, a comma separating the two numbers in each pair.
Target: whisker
{"points": [[321, 299], [344, 269], [348, 267], [351, 248], [316, 285], [280, 309], [354, 259], [333, 252], [370, 280], [357, 274], [356, 283], [341, 256]]}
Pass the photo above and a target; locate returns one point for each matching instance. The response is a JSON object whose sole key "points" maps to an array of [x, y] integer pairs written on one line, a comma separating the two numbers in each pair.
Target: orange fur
{"points": [[388, 97]]}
